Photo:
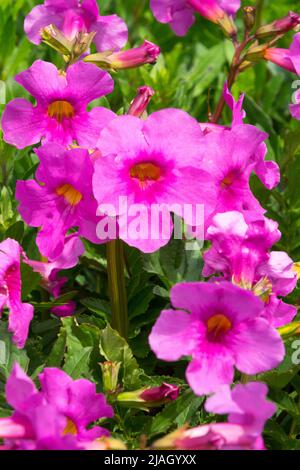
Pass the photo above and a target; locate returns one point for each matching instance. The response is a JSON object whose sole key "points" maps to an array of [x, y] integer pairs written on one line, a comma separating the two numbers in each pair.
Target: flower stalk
{"points": [[117, 286]]}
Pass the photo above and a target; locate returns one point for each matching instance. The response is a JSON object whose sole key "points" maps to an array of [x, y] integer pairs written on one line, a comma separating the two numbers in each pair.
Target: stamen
{"points": [[217, 325], [71, 195], [61, 110]]}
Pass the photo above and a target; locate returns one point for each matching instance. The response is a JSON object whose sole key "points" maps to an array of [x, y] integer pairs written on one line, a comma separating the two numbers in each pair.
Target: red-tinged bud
{"points": [[139, 105], [147, 53], [280, 57], [277, 27], [148, 397], [211, 10]]}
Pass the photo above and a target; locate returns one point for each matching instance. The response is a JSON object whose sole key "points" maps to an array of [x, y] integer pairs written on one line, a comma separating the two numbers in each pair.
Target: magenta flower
{"points": [[20, 314], [60, 114], [147, 163], [223, 329], [56, 417], [180, 14], [229, 158], [74, 16], [60, 198], [214, 436], [245, 405], [288, 59], [267, 171], [240, 251], [51, 281]]}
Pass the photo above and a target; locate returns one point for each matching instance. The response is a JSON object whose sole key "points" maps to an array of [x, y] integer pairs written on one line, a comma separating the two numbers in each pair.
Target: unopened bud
{"points": [[139, 105], [278, 27], [288, 331], [249, 17], [52, 36], [148, 397], [147, 53]]}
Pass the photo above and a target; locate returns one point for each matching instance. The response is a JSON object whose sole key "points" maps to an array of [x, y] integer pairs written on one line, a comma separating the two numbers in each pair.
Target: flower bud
{"points": [[249, 17], [211, 10], [110, 373], [149, 397], [278, 27], [52, 36], [147, 53], [139, 105], [290, 330]]}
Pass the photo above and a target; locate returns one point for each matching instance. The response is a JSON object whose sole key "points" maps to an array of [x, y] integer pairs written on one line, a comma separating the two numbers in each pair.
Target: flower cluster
{"points": [[55, 417]]}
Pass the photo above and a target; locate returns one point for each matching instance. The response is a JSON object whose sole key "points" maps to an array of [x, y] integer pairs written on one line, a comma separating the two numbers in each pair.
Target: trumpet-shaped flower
{"points": [[213, 436], [73, 17], [267, 171], [60, 114], [288, 59], [241, 252], [20, 314], [245, 405], [152, 163], [60, 198], [53, 418], [229, 157], [220, 326], [180, 14]]}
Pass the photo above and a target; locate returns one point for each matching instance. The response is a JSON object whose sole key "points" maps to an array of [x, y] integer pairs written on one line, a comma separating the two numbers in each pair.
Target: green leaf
{"points": [[115, 348], [9, 353], [177, 413]]}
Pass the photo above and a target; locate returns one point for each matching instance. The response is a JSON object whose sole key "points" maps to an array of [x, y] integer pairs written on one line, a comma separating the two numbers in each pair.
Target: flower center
{"points": [[71, 195], [229, 179], [145, 171], [61, 110], [70, 428], [217, 325]]}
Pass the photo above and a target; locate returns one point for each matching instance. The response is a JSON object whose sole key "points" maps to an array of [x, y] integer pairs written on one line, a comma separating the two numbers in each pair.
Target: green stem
{"points": [[117, 286], [259, 10], [293, 430]]}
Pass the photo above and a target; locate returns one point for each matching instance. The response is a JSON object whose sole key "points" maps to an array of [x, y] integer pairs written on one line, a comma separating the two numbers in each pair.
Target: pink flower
{"points": [[223, 329], [230, 159], [60, 198], [56, 417], [156, 161], [60, 113], [246, 405], [240, 251], [74, 16], [180, 13], [267, 171], [20, 314], [150, 397], [73, 248], [214, 436], [288, 59]]}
